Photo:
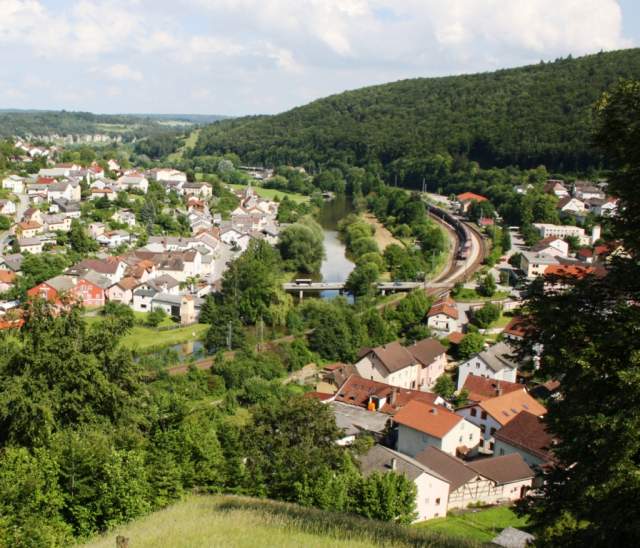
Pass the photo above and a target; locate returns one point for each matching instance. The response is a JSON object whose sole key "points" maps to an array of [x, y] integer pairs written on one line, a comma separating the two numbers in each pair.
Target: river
{"points": [[335, 265]]}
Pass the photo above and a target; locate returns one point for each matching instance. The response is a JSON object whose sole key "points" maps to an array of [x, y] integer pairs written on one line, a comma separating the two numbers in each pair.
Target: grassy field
{"points": [[467, 294], [146, 337], [189, 143], [271, 193], [236, 522], [479, 525], [142, 337]]}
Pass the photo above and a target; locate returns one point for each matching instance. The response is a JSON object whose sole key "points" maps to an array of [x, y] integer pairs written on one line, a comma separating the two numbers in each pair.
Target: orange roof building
{"points": [[420, 425], [492, 414]]}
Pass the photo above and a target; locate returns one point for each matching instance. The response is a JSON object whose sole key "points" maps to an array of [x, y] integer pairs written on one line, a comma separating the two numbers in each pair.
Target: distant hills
{"points": [[537, 114], [20, 123]]}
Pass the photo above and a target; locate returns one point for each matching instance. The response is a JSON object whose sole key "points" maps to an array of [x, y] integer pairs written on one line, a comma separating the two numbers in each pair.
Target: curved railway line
{"points": [[468, 252]]}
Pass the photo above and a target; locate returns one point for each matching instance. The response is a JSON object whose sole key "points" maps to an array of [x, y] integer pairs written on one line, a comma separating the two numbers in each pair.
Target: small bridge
{"points": [[306, 286]]}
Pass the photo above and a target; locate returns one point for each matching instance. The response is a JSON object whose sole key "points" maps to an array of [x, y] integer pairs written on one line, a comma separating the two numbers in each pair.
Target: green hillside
{"points": [[202, 521], [538, 114], [48, 122]]}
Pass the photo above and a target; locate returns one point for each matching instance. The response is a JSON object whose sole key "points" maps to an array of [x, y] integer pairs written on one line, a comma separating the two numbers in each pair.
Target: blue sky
{"points": [[265, 56]]}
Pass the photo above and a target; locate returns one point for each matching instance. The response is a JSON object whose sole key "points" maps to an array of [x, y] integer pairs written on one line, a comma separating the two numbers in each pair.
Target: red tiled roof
{"points": [[7, 276], [481, 388], [505, 408], [518, 327], [321, 396], [527, 431], [430, 419], [568, 271], [359, 391], [443, 307], [468, 196]]}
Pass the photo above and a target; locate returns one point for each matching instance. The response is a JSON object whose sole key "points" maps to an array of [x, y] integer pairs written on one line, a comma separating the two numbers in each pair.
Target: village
{"points": [[168, 272], [457, 412]]}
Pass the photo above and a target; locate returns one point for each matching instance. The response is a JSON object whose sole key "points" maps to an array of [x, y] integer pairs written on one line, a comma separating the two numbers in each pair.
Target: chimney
{"points": [[433, 411], [394, 463], [394, 396], [499, 390]]}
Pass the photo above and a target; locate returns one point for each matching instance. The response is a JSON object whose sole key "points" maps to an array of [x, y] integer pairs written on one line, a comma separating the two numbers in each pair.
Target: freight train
{"points": [[461, 230]]}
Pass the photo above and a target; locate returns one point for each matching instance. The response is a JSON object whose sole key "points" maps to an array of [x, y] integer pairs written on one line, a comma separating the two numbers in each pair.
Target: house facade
{"points": [[432, 490], [494, 363], [492, 414], [421, 425]]}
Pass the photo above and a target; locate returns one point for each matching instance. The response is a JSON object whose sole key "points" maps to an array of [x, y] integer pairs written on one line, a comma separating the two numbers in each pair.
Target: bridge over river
{"points": [[306, 286]]}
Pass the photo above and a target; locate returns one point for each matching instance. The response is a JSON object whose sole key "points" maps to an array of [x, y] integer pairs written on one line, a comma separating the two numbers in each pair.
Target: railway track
{"points": [[468, 243]]}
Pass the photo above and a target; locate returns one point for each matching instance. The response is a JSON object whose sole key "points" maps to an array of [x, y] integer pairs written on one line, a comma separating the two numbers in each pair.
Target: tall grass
{"points": [[233, 521]]}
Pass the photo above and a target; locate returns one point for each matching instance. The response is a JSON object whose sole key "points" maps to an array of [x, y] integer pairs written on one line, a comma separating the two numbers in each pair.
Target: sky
{"points": [[238, 57]]}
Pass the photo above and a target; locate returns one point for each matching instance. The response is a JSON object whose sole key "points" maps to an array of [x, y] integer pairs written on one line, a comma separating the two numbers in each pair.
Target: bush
{"points": [[156, 317]]}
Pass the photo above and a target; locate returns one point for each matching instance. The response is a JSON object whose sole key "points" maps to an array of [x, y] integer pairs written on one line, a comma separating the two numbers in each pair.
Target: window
{"points": [[501, 451], [470, 437], [483, 428], [438, 501], [474, 412], [493, 431], [491, 446], [484, 416], [460, 439]]}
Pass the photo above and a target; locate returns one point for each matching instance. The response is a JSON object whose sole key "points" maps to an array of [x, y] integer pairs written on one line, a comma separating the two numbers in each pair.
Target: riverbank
{"points": [[382, 235]]}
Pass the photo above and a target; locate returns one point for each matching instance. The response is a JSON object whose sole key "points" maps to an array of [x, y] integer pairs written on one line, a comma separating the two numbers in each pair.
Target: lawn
{"points": [[478, 525], [466, 294], [141, 338]]}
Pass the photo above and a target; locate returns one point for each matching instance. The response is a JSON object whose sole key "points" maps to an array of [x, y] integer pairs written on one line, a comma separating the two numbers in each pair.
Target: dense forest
{"points": [[18, 123], [528, 116]]}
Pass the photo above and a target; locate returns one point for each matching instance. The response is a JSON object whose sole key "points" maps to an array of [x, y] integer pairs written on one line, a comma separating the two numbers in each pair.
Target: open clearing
{"points": [[382, 235]]}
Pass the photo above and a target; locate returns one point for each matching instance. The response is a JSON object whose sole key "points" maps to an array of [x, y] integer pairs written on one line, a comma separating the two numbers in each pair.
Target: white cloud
{"points": [[271, 54], [120, 71]]}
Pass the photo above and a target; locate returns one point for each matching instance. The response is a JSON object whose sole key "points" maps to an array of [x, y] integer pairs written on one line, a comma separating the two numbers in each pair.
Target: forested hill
{"points": [[22, 123], [538, 114]]}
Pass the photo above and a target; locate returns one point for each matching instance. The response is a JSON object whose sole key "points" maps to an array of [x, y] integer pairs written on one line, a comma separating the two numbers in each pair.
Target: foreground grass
{"points": [[142, 338], [212, 521], [478, 525]]}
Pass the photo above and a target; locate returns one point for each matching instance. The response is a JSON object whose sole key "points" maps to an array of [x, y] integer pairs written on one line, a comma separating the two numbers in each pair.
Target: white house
{"points": [[432, 490], [202, 190], [494, 363], [14, 183], [133, 181], [31, 245], [556, 247], [415, 367], [493, 413], [420, 425], [53, 223], [125, 216], [443, 316], [7, 207], [571, 206], [556, 187], [534, 263], [167, 174], [64, 190]]}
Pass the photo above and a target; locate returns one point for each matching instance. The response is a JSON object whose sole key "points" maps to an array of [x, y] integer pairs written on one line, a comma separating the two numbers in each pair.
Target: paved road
{"points": [[21, 207]]}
